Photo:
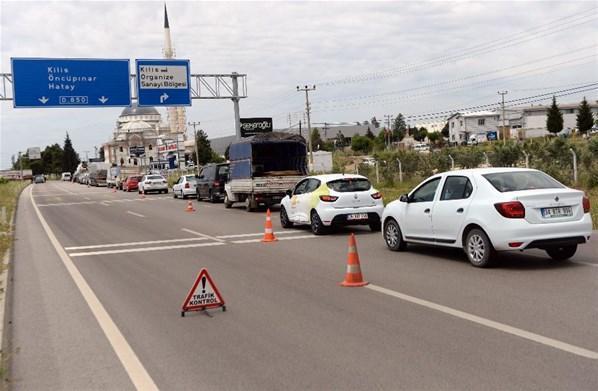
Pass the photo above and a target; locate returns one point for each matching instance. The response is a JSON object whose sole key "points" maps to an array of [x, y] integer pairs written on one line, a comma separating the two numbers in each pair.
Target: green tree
{"points": [[445, 130], [341, 141], [70, 158], [52, 158], [204, 148], [433, 137], [419, 134], [316, 139], [369, 134], [585, 120], [399, 128], [554, 120], [361, 144]]}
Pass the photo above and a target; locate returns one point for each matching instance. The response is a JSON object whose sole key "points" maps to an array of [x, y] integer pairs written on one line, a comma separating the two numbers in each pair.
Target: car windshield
{"points": [[154, 177], [346, 185], [522, 180]]}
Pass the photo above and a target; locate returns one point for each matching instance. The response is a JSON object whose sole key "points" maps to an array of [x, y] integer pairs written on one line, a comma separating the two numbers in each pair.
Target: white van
{"points": [[421, 148], [66, 176]]}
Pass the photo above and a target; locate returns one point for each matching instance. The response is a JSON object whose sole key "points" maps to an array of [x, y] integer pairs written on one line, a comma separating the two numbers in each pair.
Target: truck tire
{"points": [[227, 203], [249, 204]]}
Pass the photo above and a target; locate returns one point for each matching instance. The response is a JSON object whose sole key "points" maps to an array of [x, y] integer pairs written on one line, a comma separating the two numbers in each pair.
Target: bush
{"points": [[361, 144]]}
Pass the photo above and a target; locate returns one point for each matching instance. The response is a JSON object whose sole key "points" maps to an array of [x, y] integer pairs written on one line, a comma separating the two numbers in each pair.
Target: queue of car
{"points": [[483, 211]]}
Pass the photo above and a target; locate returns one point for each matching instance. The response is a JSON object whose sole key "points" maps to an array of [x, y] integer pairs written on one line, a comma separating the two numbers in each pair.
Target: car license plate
{"points": [[564, 211], [357, 216]]}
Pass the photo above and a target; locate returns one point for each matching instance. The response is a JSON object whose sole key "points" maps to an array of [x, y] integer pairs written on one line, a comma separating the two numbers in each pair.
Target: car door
{"points": [[295, 207], [176, 188], [451, 208], [306, 200], [417, 223], [200, 183]]}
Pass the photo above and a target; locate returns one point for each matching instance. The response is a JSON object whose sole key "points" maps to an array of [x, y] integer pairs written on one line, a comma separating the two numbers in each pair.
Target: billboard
{"points": [[491, 136], [172, 147], [34, 153], [252, 126], [137, 150]]}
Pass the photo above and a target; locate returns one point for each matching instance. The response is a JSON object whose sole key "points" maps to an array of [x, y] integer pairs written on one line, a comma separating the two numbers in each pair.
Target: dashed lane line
{"points": [[133, 367], [145, 249], [135, 214], [556, 344], [134, 243]]}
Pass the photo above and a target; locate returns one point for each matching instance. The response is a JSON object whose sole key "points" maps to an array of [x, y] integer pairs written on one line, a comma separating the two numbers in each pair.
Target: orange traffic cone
{"points": [[190, 207], [268, 232], [353, 275]]}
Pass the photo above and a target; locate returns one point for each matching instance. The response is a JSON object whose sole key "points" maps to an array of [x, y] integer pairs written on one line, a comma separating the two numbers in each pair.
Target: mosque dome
{"points": [[136, 126], [136, 110]]}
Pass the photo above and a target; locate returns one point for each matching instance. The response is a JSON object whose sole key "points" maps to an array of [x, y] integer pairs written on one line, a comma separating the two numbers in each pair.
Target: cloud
{"points": [[282, 44]]}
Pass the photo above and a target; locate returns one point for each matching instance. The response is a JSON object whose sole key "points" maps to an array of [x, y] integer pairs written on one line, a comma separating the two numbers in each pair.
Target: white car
{"points": [[66, 176], [185, 186], [486, 210], [153, 182], [323, 201], [421, 148]]}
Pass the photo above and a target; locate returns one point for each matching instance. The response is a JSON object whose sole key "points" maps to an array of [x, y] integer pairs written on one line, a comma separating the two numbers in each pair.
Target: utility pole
{"points": [[236, 99], [308, 110], [502, 94], [388, 118], [194, 124], [299, 127]]}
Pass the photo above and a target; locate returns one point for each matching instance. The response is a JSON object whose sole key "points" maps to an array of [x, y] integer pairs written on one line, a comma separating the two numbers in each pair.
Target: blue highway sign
{"points": [[62, 82], [163, 82]]}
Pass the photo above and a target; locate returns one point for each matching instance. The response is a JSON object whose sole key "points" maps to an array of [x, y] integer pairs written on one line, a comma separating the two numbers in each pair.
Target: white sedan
{"points": [[153, 182], [185, 186], [487, 210], [323, 201]]}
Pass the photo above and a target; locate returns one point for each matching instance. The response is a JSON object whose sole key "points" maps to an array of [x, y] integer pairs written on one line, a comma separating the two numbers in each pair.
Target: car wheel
{"points": [[376, 226], [393, 236], [317, 227], [213, 200], [561, 253], [478, 248], [227, 203], [284, 218]]}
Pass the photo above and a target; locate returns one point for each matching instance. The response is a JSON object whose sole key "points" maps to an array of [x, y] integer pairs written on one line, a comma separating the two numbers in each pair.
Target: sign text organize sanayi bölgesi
{"points": [[163, 77]]}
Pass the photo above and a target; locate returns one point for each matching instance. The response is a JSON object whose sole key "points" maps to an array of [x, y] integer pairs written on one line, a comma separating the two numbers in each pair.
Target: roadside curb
{"points": [[4, 280]]}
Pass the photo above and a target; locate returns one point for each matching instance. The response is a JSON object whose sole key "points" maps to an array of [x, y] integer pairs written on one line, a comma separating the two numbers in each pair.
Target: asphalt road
{"points": [[427, 321]]}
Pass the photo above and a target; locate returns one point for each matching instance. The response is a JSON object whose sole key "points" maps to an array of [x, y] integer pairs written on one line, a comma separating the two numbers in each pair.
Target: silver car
{"points": [[153, 182], [185, 186]]}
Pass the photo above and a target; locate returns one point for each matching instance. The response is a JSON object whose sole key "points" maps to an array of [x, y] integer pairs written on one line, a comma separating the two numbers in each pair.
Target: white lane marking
{"points": [[87, 198], [134, 243], [586, 263], [490, 323], [135, 214], [285, 238], [256, 234], [202, 235], [145, 249], [137, 373], [69, 203]]}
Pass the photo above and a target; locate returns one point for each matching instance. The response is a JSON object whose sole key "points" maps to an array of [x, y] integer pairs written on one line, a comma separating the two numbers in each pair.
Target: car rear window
{"points": [[521, 180], [154, 177], [346, 185], [191, 178]]}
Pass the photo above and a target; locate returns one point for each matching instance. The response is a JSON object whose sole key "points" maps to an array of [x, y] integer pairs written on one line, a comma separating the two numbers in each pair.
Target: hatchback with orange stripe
{"points": [[325, 201]]}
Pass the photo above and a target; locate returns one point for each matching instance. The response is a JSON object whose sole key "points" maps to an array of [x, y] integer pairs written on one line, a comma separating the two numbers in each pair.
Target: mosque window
{"points": [[135, 161], [122, 161], [150, 147], [121, 148], [151, 159]]}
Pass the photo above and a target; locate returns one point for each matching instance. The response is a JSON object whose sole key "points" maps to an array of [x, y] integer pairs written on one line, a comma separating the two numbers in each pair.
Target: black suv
{"points": [[210, 182]]}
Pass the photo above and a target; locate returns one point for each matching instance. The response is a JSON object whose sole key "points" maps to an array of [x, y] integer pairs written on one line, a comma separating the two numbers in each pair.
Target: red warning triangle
{"points": [[203, 294]]}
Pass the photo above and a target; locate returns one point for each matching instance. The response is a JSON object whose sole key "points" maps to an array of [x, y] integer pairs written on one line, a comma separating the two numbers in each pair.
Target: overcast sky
{"points": [[366, 58]]}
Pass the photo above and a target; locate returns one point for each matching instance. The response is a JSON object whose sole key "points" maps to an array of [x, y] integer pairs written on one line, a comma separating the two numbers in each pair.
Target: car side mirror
{"points": [[289, 192], [404, 198]]}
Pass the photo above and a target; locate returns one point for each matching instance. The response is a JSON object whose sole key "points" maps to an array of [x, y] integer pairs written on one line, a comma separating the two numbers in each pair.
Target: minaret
{"points": [[176, 115]]}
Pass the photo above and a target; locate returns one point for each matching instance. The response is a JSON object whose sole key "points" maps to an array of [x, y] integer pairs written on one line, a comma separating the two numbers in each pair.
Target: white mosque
{"points": [[165, 145]]}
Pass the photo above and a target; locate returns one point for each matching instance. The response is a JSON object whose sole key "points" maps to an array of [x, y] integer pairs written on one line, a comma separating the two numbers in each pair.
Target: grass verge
{"points": [[9, 193]]}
